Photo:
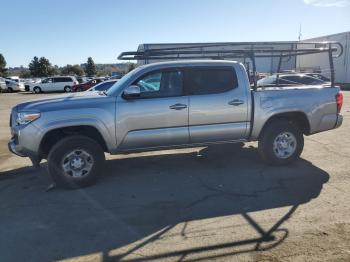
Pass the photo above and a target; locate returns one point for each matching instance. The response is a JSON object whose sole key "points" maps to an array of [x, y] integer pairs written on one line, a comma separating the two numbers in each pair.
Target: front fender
{"points": [[99, 119]]}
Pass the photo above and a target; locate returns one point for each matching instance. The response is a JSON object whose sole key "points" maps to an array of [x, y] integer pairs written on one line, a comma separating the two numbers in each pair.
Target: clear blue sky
{"points": [[68, 31]]}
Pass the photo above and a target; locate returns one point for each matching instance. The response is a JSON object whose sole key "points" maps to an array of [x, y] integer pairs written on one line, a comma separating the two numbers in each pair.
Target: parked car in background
{"points": [[82, 79], [14, 85], [118, 76], [87, 85], [2, 84], [318, 76], [30, 82], [103, 86], [289, 79], [54, 84]]}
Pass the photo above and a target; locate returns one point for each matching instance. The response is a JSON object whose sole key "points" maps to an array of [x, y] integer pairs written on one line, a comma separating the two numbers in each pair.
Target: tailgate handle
{"points": [[236, 102], [178, 106]]}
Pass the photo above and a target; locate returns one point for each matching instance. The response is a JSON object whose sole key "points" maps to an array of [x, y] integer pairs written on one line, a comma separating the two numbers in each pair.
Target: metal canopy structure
{"points": [[241, 50]]}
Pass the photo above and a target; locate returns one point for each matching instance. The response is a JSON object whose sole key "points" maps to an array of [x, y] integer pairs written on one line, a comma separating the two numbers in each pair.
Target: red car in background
{"points": [[85, 86]]}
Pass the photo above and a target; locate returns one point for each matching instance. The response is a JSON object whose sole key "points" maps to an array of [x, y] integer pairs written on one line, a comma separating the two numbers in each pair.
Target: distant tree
{"points": [[131, 66], [3, 69], [90, 68], [72, 70], [46, 69], [34, 67], [41, 67], [25, 73]]}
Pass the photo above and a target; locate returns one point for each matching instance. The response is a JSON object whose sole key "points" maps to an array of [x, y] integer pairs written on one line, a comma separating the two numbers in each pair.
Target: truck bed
{"points": [[316, 103]]}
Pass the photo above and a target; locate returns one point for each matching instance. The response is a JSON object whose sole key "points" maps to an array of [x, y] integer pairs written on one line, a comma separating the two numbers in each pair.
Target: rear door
{"points": [[218, 105], [58, 83], [159, 117]]}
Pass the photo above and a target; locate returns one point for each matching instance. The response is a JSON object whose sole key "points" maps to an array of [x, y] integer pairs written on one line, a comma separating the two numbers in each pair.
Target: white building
{"points": [[321, 61]]}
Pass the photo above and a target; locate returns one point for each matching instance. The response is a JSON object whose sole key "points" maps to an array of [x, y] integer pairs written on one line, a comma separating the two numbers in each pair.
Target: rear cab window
{"points": [[210, 80]]}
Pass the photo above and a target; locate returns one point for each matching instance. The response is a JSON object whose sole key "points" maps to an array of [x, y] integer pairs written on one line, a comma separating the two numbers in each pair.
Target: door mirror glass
{"points": [[132, 92]]}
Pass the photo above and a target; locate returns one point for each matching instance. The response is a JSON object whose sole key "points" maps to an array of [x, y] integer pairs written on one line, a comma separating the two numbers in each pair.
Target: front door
{"points": [[218, 105], [158, 117]]}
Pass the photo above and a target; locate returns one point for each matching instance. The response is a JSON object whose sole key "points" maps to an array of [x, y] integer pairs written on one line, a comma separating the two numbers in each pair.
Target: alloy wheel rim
{"points": [[77, 163]]}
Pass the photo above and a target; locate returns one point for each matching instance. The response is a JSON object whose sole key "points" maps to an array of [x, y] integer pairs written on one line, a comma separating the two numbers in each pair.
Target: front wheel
{"points": [[281, 143], [75, 161], [37, 90]]}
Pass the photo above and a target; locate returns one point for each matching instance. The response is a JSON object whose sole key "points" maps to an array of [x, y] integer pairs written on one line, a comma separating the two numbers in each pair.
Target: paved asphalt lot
{"points": [[211, 203]]}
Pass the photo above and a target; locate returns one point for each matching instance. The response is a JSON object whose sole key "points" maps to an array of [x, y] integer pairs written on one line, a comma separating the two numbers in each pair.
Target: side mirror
{"points": [[132, 91]]}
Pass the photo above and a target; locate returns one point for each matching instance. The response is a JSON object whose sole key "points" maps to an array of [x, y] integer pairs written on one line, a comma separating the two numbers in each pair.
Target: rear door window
{"points": [[206, 80], [62, 79]]}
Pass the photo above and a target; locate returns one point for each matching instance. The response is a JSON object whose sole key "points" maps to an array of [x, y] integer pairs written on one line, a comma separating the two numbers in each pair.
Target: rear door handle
{"points": [[178, 106], [236, 102]]}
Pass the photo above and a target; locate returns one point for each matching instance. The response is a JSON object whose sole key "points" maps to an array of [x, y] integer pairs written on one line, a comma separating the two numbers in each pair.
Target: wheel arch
{"points": [[297, 118], [55, 135]]}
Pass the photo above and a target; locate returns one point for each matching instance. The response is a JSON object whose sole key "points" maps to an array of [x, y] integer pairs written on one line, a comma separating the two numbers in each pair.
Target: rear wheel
{"points": [[75, 161], [67, 89], [37, 90], [9, 89], [281, 143]]}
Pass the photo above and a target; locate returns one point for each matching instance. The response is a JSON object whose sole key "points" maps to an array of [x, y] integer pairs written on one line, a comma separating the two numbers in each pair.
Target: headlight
{"points": [[26, 117]]}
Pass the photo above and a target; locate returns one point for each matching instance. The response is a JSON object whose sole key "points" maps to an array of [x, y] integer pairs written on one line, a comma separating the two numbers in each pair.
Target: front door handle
{"points": [[236, 102], [178, 106]]}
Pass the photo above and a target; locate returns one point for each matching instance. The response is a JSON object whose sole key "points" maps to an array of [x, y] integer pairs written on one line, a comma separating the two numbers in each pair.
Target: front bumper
{"points": [[15, 148], [25, 139]]}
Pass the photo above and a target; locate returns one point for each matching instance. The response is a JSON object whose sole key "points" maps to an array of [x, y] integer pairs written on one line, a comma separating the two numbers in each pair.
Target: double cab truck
{"points": [[170, 105]]}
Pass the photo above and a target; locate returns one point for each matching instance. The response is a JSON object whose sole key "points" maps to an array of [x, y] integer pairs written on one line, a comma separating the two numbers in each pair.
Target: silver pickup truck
{"points": [[170, 105]]}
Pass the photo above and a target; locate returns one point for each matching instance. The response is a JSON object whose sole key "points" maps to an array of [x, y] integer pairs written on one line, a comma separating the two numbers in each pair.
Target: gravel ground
{"points": [[218, 203]]}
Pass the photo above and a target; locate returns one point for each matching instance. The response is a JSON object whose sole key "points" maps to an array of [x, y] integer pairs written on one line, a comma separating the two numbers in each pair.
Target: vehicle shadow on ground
{"points": [[140, 201]]}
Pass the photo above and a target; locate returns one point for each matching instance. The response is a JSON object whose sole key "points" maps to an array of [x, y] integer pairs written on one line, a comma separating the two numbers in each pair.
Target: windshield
{"points": [[122, 81]]}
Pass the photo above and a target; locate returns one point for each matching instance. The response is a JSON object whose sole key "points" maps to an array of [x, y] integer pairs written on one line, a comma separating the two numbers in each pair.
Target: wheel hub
{"points": [[77, 163], [284, 145]]}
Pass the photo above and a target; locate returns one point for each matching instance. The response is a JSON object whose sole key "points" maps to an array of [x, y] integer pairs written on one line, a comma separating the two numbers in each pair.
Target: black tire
{"points": [[67, 89], [270, 133], [9, 89], [58, 154], [37, 90], [79, 90]]}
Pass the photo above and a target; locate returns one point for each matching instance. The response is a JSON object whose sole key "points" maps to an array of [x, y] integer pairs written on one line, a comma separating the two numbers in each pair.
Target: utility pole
{"points": [[299, 37]]}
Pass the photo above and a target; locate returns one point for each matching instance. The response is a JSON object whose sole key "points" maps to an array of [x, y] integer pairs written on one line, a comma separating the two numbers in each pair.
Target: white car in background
{"points": [[54, 84], [2, 84], [14, 85]]}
